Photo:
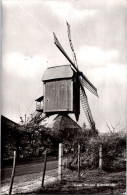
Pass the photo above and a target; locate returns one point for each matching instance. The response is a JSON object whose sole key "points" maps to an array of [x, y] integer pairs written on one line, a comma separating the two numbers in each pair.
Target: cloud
{"points": [[96, 56], [66, 11], [21, 83], [110, 75], [23, 66], [110, 81]]}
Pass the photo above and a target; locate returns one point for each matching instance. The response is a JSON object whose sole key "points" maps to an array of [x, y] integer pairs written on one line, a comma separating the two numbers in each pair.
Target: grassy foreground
{"points": [[90, 182]]}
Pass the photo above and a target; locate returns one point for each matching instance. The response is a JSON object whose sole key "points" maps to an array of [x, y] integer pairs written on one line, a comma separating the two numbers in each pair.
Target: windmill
{"points": [[64, 87]]}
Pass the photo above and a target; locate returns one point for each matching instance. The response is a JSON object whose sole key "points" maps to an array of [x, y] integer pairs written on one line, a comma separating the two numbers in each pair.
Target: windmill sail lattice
{"points": [[88, 85], [71, 45], [86, 108]]}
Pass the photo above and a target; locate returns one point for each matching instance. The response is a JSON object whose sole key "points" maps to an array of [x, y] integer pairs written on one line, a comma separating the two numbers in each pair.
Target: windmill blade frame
{"points": [[71, 45], [86, 82], [57, 43], [89, 85], [85, 105]]}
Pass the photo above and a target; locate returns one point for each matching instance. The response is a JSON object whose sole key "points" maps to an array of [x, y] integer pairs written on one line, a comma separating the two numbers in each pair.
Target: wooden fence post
{"points": [[78, 160], [100, 157], [13, 172], [45, 160], [60, 162]]}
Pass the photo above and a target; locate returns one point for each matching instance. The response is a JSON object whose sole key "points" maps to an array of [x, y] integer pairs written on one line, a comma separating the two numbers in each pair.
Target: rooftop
{"points": [[58, 72]]}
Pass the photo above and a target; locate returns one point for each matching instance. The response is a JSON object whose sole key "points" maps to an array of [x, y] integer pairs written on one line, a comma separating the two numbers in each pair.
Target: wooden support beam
{"points": [[100, 157], [78, 160], [60, 162], [43, 176]]}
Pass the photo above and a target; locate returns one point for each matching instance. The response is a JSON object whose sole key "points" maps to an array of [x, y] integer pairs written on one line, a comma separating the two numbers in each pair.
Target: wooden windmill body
{"points": [[61, 91], [64, 87]]}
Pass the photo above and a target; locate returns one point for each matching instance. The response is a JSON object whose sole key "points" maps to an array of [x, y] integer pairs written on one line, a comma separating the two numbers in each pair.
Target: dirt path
{"points": [[28, 168], [28, 183]]}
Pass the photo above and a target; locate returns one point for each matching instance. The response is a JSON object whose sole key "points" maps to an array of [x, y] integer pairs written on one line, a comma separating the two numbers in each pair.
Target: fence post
{"points": [[13, 172], [45, 160], [100, 157], [78, 160], [60, 162]]}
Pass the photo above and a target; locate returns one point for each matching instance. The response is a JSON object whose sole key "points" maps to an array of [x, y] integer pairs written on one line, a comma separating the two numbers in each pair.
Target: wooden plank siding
{"points": [[58, 96]]}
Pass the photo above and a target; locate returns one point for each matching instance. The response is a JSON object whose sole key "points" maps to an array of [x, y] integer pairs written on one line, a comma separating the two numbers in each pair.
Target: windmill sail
{"points": [[71, 45], [57, 43], [85, 105], [89, 85], [85, 80], [86, 108]]}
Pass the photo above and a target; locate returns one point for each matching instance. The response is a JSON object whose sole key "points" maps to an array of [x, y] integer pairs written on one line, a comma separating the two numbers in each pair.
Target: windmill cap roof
{"points": [[58, 72]]}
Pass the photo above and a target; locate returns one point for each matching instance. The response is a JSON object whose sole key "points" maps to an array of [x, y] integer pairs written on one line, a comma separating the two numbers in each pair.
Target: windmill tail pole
{"points": [[13, 172]]}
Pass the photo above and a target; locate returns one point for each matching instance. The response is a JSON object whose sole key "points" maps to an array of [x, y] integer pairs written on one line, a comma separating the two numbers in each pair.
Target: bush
{"points": [[114, 147], [115, 165], [113, 152]]}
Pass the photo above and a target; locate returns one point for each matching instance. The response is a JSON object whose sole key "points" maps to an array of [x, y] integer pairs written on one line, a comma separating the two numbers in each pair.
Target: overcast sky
{"points": [[99, 36]]}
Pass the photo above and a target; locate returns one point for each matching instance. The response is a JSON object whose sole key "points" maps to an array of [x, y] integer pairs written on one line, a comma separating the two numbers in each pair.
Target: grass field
{"points": [[90, 182]]}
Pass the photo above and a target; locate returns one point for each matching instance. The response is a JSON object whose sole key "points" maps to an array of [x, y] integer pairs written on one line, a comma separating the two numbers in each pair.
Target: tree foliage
{"points": [[114, 148], [31, 141]]}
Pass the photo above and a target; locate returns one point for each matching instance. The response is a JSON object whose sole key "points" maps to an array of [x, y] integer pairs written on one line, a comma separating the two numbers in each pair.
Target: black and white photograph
{"points": [[63, 96]]}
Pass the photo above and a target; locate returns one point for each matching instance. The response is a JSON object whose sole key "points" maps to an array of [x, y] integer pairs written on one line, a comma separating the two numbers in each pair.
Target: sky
{"points": [[99, 36]]}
